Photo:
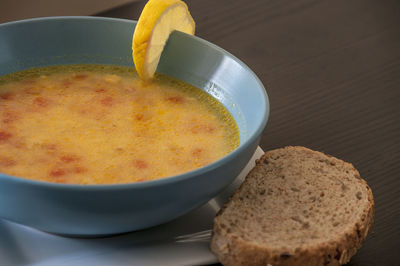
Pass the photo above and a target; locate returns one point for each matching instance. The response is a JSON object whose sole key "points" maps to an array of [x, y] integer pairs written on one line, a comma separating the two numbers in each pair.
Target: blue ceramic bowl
{"points": [[90, 210]]}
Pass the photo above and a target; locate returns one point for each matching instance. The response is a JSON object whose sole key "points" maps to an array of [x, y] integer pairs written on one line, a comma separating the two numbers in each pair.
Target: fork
{"points": [[194, 237]]}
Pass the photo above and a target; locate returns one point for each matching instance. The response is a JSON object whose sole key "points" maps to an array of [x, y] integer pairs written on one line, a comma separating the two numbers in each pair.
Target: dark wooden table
{"points": [[332, 72]]}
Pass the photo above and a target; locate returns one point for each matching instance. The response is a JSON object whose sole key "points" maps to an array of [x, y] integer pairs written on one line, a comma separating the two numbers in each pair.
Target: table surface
{"points": [[332, 73]]}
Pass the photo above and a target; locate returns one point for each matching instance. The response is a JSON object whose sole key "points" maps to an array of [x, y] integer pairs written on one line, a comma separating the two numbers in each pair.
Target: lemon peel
{"points": [[156, 22]]}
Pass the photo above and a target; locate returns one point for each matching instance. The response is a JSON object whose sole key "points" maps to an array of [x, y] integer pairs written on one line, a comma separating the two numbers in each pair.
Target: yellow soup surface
{"points": [[98, 124]]}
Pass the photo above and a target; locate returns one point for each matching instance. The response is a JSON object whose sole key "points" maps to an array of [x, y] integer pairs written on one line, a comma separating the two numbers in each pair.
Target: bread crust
{"points": [[231, 249]]}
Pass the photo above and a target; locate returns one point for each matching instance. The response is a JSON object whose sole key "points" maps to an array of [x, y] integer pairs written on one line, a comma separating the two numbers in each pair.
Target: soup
{"points": [[97, 124]]}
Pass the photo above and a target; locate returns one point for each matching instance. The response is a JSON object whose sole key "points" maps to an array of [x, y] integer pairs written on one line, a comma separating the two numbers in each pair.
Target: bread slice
{"points": [[296, 207]]}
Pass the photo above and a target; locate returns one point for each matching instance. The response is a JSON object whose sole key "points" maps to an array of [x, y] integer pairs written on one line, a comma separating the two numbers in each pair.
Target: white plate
{"points": [[175, 243]]}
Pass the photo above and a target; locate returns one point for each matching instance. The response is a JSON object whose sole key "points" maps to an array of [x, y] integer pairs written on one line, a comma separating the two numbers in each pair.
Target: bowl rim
{"points": [[165, 180]]}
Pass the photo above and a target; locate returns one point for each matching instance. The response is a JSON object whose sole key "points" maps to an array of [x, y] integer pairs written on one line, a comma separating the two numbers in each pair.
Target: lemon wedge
{"points": [[158, 19]]}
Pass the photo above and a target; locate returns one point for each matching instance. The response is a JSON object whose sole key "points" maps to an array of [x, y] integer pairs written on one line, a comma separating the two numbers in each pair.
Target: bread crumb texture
{"points": [[296, 207]]}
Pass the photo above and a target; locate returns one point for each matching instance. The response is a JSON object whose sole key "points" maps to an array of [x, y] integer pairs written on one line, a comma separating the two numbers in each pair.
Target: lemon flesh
{"points": [[158, 19]]}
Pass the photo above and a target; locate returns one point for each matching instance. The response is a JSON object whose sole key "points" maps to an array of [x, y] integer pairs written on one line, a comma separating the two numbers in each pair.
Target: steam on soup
{"points": [[95, 124]]}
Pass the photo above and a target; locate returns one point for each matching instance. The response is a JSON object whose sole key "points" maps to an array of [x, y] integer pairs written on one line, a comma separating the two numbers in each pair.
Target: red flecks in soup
{"points": [[95, 124], [7, 96], [4, 136]]}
